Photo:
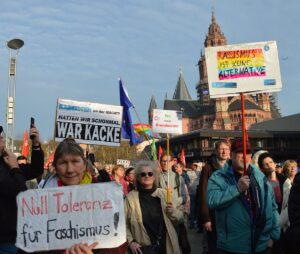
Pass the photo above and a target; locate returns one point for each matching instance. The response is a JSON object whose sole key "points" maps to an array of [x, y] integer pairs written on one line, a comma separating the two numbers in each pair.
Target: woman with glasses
{"points": [[149, 219]]}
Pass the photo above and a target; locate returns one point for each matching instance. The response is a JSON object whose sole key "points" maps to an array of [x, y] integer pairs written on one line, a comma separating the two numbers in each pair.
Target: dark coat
{"points": [[211, 166], [12, 181], [292, 235]]}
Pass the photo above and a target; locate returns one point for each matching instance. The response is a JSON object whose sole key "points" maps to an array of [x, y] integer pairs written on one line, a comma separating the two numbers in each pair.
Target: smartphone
{"points": [[31, 126]]}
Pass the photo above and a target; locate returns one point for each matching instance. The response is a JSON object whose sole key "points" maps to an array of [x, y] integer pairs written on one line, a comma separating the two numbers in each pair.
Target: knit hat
{"points": [[237, 146]]}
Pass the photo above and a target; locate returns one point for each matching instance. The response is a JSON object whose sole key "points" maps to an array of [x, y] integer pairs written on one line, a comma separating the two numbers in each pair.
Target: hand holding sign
{"points": [[81, 248]]}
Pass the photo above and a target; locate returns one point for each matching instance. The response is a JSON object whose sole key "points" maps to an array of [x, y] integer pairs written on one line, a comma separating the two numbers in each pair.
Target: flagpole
{"points": [[168, 180]]}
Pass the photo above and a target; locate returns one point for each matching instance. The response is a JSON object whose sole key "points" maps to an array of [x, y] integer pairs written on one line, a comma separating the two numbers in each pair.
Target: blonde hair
{"points": [[285, 167]]}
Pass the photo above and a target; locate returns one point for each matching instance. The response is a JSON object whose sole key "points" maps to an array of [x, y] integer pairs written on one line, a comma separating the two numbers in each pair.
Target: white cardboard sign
{"points": [[125, 163], [57, 218], [167, 121], [88, 123], [247, 68]]}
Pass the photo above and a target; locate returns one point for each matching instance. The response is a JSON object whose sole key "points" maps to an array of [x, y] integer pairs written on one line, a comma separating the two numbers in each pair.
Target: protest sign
{"points": [[57, 218], [167, 121], [88, 123], [125, 163], [247, 68]]}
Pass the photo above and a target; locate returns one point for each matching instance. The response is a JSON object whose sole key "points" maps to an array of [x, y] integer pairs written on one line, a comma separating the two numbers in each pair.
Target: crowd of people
{"points": [[256, 210]]}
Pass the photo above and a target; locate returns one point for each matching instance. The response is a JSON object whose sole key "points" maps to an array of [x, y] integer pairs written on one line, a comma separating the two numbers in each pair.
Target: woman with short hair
{"points": [[289, 171], [149, 219], [71, 169]]}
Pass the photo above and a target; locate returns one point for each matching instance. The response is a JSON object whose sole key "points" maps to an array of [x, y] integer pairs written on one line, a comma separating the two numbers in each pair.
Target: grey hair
{"points": [[139, 168]]}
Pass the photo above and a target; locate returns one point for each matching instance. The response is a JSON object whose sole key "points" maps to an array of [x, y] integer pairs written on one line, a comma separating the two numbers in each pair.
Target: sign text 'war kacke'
{"points": [[88, 123]]}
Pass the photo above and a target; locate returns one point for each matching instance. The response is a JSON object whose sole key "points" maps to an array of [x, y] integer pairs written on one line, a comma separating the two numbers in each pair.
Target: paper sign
{"points": [[57, 218], [247, 68], [125, 163], [167, 121], [88, 123]]}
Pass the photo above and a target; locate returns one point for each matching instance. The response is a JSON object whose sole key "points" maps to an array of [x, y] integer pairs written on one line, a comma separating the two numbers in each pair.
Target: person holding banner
{"points": [[245, 208], [12, 181], [71, 169], [150, 219]]}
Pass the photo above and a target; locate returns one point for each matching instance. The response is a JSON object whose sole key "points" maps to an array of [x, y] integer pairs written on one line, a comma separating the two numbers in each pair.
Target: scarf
{"points": [[87, 179]]}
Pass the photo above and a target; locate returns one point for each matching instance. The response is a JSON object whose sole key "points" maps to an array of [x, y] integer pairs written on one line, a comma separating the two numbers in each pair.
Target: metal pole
{"points": [[244, 131]]}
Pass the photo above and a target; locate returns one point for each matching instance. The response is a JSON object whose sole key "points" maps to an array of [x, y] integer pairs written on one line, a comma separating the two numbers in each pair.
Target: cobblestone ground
{"points": [[195, 241]]}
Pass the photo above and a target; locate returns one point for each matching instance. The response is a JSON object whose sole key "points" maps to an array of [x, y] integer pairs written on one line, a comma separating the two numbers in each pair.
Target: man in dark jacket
{"points": [[216, 161], [12, 181]]}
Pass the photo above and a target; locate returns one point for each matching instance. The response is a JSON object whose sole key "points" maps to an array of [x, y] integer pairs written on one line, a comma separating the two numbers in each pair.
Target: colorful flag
{"points": [[160, 152], [144, 132], [127, 128], [153, 151], [182, 157], [25, 147]]}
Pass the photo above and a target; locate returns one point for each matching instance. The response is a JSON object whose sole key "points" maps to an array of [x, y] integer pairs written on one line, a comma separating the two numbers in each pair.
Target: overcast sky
{"points": [[77, 49]]}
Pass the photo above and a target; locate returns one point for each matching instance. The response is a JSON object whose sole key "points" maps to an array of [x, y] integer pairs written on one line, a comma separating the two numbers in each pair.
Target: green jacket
{"points": [[237, 229]]}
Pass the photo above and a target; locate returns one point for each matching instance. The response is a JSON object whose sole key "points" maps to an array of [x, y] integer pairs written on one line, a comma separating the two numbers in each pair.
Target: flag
{"points": [[153, 151], [25, 147], [127, 128], [160, 152], [182, 157], [144, 132]]}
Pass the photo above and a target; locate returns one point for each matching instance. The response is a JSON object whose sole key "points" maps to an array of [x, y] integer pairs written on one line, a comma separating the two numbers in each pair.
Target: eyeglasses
{"points": [[144, 174]]}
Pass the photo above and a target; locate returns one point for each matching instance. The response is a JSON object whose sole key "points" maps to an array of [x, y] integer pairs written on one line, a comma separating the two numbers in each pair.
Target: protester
{"points": [[30, 184], [118, 173], [194, 176], [166, 163], [71, 169], [267, 165], [129, 178], [289, 171], [166, 174], [292, 235], [245, 208], [12, 181], [215, 162], [149, 219]]}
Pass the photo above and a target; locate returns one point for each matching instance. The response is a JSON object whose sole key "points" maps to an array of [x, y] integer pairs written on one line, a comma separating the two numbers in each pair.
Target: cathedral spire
{"points": [[181, 91], [214, 37]]}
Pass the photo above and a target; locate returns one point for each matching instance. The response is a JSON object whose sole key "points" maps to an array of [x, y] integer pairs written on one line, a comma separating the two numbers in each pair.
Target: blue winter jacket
{"points": [[238, 230]]}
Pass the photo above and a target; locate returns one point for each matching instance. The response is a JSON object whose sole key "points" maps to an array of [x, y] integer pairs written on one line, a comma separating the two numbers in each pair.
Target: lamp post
{"points": [[13, 47]]}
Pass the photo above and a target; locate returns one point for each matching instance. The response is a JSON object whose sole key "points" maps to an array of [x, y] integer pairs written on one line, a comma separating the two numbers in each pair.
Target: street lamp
{"points": [[13, 47]]}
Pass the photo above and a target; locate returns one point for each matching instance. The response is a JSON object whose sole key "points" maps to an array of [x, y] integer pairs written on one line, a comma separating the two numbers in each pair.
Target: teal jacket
{"points": [[237, 229]]}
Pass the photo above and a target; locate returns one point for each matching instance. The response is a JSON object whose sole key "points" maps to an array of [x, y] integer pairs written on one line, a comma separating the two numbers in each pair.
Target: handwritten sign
{"points": [[248, 68], [88, 123], [57, 218], [167, 121], [125, 163]]}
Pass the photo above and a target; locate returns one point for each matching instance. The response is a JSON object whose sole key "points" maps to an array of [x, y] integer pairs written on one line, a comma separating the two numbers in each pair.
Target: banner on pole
{"points": [[57, 218], [88, 123], [247, 68], [167, 121]]}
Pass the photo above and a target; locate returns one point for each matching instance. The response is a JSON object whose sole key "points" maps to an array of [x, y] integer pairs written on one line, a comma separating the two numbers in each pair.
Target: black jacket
{"points": [[12, 181]]}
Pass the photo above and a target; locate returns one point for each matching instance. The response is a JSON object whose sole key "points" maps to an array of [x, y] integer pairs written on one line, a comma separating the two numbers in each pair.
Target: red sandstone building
{"points": [[221, 113]]}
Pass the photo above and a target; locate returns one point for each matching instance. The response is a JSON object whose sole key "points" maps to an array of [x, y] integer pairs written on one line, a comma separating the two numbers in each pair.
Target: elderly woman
{"points": [[71, 169], [149, 219], [289, 171]]}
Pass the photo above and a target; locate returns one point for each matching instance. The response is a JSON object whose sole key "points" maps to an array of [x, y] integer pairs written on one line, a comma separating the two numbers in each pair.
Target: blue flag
{"points": [[127, 128]]}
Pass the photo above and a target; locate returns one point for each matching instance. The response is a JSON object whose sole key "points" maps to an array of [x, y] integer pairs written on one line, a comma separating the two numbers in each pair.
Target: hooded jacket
{"points": [[237, 230]]}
